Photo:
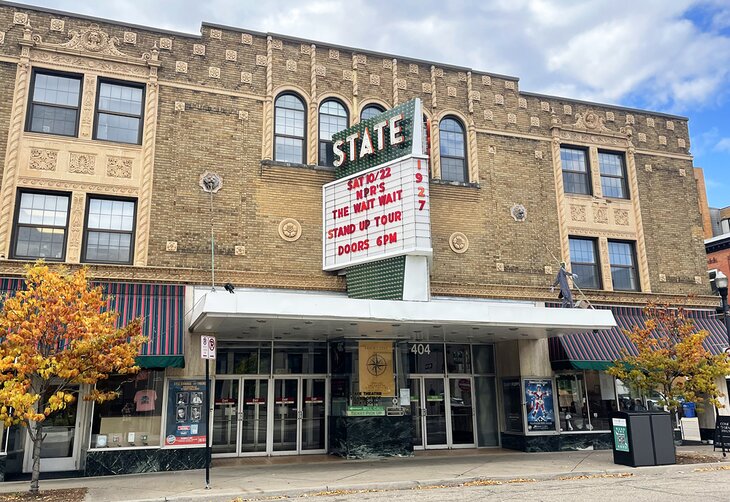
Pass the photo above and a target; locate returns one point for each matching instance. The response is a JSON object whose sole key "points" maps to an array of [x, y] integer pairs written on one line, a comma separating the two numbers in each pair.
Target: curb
{"points": [[230, 495]]}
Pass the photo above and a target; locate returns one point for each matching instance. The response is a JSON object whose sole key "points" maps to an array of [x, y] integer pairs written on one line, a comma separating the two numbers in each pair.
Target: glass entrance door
{"points": [[224, 438], [286, 415], [254, 411], [461, 412], [299, 415], [428, 411], [442, 411], [240, 412]]}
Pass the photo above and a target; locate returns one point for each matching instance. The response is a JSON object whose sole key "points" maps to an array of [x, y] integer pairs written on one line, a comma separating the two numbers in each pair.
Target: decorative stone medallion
{"points": [[290, 229], [210, 182], [171, 246], [458, 243], [518, 212]]}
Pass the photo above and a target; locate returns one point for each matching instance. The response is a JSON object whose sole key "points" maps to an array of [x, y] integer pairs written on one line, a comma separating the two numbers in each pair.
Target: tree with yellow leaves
{"points": [[56, 335], [671, 360]]}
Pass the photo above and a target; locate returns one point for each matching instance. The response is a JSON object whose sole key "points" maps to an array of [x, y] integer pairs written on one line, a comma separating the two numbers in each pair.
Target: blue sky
{"points": [[671, 56]]}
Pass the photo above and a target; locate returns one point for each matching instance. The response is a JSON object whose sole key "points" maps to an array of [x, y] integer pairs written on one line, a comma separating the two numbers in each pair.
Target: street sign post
{"points": [[207, 352]]}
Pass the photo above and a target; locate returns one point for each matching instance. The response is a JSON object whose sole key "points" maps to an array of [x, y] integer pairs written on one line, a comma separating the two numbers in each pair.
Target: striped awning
{"points": [[597, 350], [161, 307]]}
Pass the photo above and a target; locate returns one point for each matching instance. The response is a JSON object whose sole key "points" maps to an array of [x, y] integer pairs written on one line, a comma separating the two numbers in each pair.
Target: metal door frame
{"points": [[239, 416], [449, 445], [300, 414], [473, 412]]}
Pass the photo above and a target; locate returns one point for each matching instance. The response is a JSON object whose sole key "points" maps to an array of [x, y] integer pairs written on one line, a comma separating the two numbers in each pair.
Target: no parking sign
{"points": [[207, 347]]}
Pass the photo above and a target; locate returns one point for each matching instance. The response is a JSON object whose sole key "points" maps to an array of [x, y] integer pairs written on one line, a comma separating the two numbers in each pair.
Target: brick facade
{"points": [[213, 111]]}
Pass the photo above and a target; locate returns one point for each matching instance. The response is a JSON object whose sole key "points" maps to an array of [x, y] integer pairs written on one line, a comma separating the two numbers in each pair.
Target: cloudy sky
{"points": [[664, 55]]}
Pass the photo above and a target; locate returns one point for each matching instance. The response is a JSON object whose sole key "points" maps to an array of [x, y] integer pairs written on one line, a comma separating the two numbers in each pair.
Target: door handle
{"points": [[239, 416]]}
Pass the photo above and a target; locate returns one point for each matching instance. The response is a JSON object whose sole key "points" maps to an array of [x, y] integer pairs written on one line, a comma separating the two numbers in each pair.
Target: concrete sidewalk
{"points": [[279, 476]]}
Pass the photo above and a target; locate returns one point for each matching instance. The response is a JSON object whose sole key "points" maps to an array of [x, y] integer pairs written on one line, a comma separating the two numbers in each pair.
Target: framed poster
{"points": [[186, 415], [539, 404]]}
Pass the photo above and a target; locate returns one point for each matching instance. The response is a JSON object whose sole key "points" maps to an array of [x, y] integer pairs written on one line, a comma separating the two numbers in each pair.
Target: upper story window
{"points": [[119, 112], [623, 265], [613, 175], [109, 230], [54, 104], [576, 177], [332, 119], [289, 120], [584, 263], [452, 150], [41, 224], [370, 111]]}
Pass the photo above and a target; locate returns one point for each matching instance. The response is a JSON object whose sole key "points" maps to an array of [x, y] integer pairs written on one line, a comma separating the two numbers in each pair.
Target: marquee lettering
{"points": [[358, 147]]}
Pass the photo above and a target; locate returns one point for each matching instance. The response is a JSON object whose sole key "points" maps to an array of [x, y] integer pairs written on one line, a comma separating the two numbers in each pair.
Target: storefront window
{"points": [[572, 404], [585, 400], [601, 399], [424, 357], [458, 358], [251, 358], [132, 419], [300, 358], [629, 399]]}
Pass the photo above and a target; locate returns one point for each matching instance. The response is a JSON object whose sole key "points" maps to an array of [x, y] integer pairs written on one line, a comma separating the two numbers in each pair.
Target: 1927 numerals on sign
{"points": [[421, 348]]}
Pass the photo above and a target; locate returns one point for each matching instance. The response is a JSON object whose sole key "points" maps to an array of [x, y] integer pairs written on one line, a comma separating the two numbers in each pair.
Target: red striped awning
{"points": [[598, 350], [161, 307]]}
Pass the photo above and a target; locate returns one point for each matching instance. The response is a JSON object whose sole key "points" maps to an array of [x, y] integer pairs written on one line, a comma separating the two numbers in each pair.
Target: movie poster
{"points": [[185, 413], [540, 404]]}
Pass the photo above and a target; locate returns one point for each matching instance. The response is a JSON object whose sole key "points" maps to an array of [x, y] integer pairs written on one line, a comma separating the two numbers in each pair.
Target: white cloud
{"points": [[723, 145]]}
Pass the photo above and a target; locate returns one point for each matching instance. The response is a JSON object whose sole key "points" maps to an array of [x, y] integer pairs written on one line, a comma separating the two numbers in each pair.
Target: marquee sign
{"points": [[381, 209]]}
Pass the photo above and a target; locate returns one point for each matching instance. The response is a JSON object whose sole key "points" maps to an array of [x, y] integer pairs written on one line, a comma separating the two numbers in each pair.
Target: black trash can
{"points": [[642, 438], [663, 438]]}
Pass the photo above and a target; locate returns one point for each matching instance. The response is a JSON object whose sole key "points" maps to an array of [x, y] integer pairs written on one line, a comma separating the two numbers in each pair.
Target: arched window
{"points": [[370, 111], [452, 151], [332, 119], [289, 125]]}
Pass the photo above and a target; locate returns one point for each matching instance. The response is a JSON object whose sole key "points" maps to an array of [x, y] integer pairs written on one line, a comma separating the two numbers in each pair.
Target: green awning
{"points": [[160, 362]]}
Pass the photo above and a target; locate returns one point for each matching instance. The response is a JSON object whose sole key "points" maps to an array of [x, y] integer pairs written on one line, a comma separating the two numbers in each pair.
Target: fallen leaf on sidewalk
{"points": [[66, 495], [593, 476], [718, 468]]}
